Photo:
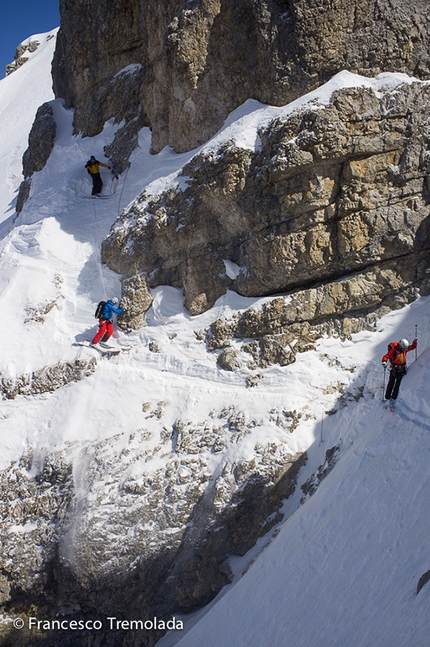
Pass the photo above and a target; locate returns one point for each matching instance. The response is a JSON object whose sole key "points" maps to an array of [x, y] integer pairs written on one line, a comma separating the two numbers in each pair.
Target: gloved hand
{"points": [[384, 364]]}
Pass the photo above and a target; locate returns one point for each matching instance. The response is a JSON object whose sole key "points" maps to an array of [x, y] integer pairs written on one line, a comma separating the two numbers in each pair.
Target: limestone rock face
{"points": [[40, 144], [20, 56], [40, 140], [194, 62], [228, 359], [167, 531], [46, 379], [331, 192], [136, 300], [279, 330], [97, 61]]}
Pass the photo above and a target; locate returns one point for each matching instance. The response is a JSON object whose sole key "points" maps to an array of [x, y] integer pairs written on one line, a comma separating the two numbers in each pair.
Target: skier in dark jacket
{"points": [[105, 322], [396, 355], [93, 168]]}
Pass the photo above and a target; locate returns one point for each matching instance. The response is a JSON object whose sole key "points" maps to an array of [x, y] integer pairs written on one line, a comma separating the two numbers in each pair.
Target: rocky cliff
{"points": [[327, 209], [89, 534], [40, 144], [22, 54], [332, 204], [181, 67]]}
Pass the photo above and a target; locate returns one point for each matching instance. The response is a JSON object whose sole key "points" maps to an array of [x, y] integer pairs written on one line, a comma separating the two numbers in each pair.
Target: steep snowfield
{"points": [[21, 93], [343, 569]]}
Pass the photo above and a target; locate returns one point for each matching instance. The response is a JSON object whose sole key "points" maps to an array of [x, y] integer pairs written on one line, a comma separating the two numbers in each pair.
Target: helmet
{"points": [[403, 343], [92, 158], [115, 302]]}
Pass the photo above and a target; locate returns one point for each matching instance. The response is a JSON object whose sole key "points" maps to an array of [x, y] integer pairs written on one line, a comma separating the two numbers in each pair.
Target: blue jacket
{"points": [[109, 309]]}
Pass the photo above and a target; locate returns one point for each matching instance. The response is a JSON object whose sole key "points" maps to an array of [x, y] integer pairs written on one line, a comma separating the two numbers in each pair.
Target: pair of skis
{"points": [[103, 349]]}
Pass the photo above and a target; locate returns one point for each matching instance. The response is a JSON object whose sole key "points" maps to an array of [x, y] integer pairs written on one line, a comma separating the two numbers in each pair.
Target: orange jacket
{"points": [[396, 355]]}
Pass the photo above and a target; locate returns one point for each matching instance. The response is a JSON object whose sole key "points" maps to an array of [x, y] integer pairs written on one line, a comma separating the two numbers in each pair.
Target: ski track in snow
{"points": [[343, 569]]}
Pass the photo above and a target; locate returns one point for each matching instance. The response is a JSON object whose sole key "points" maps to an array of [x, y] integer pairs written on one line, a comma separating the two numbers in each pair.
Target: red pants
{"points": [[105, 330]]}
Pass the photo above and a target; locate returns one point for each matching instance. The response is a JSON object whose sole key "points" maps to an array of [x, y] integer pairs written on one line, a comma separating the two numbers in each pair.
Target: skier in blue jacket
{"points": [[105, 322]]}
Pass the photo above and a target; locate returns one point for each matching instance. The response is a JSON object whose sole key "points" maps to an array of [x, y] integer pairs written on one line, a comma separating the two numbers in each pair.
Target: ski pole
{"points": [[383, 388], [416, 337]]}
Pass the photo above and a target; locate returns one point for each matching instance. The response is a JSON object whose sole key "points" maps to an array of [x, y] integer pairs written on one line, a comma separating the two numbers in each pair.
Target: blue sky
{"points": [[22, 18]]}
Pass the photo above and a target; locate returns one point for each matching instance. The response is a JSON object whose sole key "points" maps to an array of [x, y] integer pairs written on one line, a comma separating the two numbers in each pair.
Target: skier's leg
{"points": [[390, 384], [101, 331], [398, 379], [109, 330], [94, 179], [98, 184]]}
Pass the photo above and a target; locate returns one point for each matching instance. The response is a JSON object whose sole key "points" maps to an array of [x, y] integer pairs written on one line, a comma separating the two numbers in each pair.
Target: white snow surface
{"points": [[342, 568], [21, 93]]}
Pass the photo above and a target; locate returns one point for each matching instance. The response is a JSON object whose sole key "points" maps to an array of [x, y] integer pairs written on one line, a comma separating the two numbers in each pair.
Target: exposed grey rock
{"points": [[289, 420], [98, 67], [40, 144], [38, 313], [40, 140], [154, 347], [228, 359], [47, 379], [166, 532], [19, 58], [314, 481], [136, 299], [23, 194], [425, 577], [253, 380], [125, 141], [289, 325], [332, 192], [202, 59]]}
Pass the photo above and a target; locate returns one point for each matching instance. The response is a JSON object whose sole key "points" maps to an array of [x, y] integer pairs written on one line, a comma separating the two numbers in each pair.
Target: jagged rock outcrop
{"points": [[313, 482], [34, 513], [277, 331], [201, 59], [228, 359], [99, 70], [332, 192], [168, 524], [46, 379], [40, 144], [425, 577], [40, 140], [20, 58], [136, 299]]}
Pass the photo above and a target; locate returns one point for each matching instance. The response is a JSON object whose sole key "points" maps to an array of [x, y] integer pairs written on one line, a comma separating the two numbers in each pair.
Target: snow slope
{"points": [[343, 569], [21, 93]]}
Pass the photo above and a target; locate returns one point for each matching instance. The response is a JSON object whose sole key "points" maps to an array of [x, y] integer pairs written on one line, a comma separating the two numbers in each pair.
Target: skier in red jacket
{"points": [[396, 355]]}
